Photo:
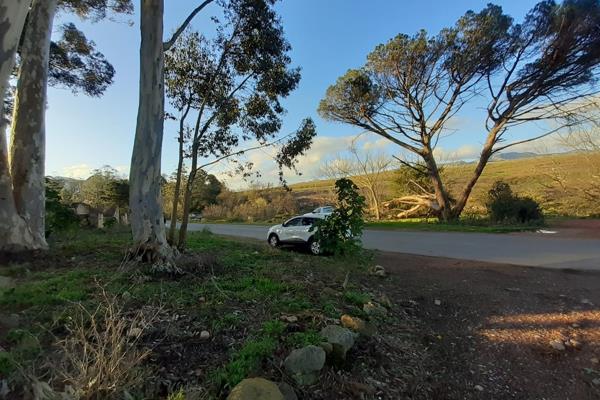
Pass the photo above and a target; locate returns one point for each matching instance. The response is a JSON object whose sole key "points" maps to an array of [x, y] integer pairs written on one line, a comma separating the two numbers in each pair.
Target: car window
{"points": [[307, 221], [316, 210], [294, 222], [327, 209]]}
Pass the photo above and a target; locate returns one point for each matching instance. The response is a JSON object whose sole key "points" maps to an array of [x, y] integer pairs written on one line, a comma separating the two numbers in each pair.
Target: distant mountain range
{"points": [[515, 155]]}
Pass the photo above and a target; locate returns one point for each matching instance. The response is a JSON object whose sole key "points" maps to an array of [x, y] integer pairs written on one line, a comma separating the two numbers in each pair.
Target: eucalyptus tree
{"points": [[72, 62], [145, 178], [14, 232], [412, 86], [234, 84]]}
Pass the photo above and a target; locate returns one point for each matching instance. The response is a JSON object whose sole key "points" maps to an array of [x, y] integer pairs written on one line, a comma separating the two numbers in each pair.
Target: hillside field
{"points": [[556, 181]]}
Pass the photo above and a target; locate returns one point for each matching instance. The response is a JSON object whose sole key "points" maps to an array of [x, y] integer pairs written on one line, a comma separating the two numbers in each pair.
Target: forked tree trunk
{"points": [[28, 138], [14, 232], [187, 200], [147, 222], [175, 206]]}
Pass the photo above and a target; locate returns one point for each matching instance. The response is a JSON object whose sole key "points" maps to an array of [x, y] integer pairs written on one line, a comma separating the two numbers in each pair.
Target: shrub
{"points": [[339, 233], [59, 217], [504, 206]]}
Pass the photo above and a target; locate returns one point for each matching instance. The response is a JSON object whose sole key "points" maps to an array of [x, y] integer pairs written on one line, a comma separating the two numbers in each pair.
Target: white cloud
{"points": [[79, 171]]}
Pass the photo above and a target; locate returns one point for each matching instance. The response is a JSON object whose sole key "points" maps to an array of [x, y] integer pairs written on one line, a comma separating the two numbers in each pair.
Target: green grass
{"points": [[356, 298], [253, 285]]}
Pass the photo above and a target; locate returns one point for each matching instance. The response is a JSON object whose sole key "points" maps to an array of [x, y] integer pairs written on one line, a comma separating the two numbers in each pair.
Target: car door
{"points": [[289, 231], [304, 231]]}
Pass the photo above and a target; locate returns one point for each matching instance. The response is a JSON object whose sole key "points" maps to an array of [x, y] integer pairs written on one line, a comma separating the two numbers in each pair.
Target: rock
{"points": [[479, 388], [374, 309], [289, 318], [575, 325], [437, 302], [287, 391], [357, 325], [135, 332], [384, 300], [327, 347], [378, 270], [557, 345], [340, 338], [587, 301], [594, 360], [576, 344], [6, 282], [204, 335], [596, 382], [255, 389], [304, 364], [327, 291], [201, 299]]}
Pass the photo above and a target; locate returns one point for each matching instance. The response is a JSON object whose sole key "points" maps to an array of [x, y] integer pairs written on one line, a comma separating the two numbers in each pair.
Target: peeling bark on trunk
{"points": [[27, 148], [14, 232], [147, 223], [441, 195]]}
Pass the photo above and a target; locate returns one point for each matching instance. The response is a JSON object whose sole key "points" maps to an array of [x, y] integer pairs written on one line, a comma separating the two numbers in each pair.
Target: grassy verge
{"points": [[237, 291]]}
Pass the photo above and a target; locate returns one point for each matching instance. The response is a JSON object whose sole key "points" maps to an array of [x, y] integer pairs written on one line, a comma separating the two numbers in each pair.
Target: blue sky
{"points": [[328, 37]]}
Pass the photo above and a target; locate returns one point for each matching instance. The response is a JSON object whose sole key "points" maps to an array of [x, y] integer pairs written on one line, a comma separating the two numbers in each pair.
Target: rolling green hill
{"points": [[556, 181]]}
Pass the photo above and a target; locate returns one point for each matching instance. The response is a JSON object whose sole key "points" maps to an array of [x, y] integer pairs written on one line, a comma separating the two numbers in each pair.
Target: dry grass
{"points": [[100, 357]]}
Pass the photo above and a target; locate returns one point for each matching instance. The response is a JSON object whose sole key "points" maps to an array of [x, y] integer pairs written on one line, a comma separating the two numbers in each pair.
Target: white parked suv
{"points": [[321, 212], [296, 230]]}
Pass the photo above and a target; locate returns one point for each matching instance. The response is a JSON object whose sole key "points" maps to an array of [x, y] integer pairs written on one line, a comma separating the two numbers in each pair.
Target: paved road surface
{"points": [[542, 251]]}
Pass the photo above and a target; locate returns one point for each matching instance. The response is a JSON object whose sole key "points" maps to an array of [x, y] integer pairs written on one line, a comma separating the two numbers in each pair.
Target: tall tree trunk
{"points": [[173, 226], [187, 200], [441, 195], [375, 201], [28, 139], [14, 232], [147, 222], [484, 157]]}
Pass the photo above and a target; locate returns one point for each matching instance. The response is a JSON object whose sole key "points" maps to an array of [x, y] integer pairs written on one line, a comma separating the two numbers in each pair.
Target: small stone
{"points": [[201, 299], [356, 324], [575, 325], [204, 335], [437, 302], [6, 282], [135, 332], [327, 291], [587, 301], [378, 270], [596, 382], [340, 338], [479, 388], [594, 360], [374, 309], [557, 345], [287, 391], [576, 344], [256, 389], [305, 363], [289, 318]]}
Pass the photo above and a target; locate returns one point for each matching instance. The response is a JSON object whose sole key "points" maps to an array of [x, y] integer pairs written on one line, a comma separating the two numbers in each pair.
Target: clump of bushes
{"points": [[505, 206], [256, 205]]}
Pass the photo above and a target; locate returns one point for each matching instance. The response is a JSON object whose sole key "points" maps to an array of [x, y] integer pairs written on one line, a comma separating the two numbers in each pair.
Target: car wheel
{"points": [[273, 240], [314, 247]]}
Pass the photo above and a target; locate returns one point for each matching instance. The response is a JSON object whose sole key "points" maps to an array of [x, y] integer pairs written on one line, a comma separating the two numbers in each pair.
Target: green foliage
{"points": [[504, 206], [47, 288], [59, 217], [104, 189], [303, 339], [274, 328], [245, 361], [339, 233], [356, 298]]}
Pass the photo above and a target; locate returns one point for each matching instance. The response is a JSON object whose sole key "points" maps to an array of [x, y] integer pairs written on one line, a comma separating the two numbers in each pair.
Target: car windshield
{"points": [[328, 209]]}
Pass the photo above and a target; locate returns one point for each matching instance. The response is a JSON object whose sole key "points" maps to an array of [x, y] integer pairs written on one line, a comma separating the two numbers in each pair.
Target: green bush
{"points": [[59, 217], [504, 206], [339, 233]]}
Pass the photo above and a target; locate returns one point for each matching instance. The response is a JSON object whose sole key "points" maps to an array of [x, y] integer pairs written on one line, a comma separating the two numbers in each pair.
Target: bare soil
{"points": [[490, 336]]}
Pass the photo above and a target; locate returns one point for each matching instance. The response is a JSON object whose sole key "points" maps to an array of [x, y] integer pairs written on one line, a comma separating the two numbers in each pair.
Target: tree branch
{"points": [[168, 44]]}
